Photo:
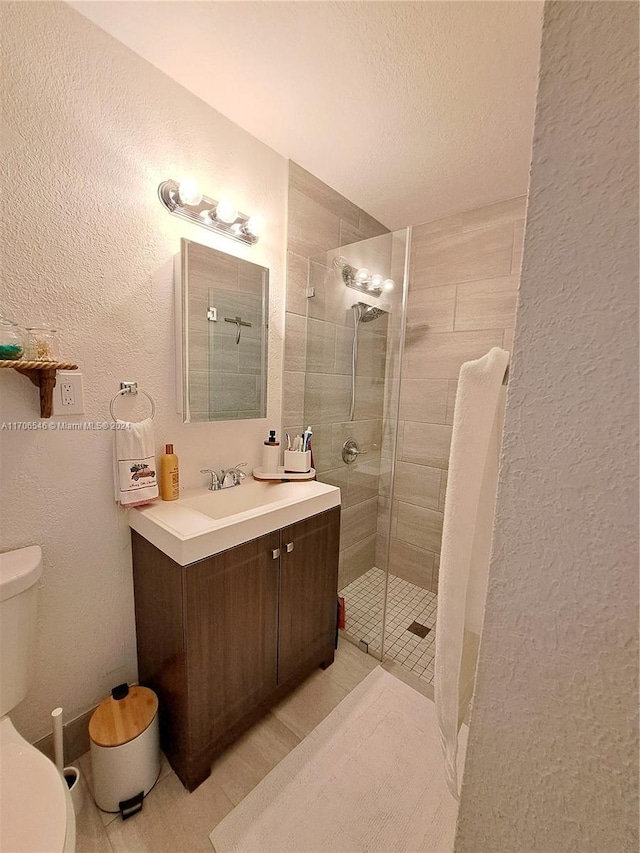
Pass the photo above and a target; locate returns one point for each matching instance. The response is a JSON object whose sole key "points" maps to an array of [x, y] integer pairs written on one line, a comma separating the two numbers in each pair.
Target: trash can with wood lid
{"points": [[125, 749]]}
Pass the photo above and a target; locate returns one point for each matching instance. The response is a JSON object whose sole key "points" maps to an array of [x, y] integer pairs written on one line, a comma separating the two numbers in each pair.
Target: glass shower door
{"points": [[355, 322]]}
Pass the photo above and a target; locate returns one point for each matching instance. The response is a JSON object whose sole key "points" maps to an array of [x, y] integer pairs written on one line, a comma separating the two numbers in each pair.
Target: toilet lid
{"points": [[32, 799]]}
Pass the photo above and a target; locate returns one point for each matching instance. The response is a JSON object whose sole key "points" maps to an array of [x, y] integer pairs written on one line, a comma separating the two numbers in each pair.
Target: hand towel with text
{"points": [[135, 474]]}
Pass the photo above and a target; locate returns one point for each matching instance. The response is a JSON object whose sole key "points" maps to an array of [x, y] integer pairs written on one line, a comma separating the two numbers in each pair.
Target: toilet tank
{"points": [[19, 574]]}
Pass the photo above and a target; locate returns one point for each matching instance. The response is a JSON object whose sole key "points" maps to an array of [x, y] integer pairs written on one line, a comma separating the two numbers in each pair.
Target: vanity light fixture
{"points": [[184, 199], [225, 212], [362, 279], [188, 192]]}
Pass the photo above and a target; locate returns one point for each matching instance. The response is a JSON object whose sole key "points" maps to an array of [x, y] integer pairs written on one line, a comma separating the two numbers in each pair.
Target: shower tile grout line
{"points": [[406, 603]]}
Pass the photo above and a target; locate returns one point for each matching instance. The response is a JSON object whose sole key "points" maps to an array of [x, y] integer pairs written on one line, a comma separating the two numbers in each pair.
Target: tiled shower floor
{"points": [[406, 604]]}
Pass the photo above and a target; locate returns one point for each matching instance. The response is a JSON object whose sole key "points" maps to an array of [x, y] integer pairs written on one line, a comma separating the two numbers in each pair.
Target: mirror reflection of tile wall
{"points": [[235, 354], [227, 308]]}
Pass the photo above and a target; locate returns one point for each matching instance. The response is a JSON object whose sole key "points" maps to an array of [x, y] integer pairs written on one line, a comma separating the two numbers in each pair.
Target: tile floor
{"points": [[175, 821], [406, 603]]}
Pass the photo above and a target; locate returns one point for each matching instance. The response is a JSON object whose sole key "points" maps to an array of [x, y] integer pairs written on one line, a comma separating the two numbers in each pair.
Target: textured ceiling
{"points": [[411, 110]]}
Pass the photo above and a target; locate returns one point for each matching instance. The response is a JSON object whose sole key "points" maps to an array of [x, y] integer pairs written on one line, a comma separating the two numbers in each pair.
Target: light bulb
{"points": [[376, 282], [188, 192], [362, 275], [226, 212], [389, 284], [255, 225], [206, 214]]}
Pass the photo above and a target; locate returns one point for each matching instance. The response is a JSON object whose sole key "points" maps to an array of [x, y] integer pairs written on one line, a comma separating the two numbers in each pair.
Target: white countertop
{"points": [[202, 523]]}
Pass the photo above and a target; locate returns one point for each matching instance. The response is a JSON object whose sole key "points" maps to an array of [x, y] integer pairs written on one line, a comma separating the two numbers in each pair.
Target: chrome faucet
{"points": [[233, 476], [215, 484], [228, 477]]}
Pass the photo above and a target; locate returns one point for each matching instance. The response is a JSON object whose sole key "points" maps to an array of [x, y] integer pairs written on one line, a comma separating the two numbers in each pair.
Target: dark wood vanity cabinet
{"points": [[308, 592], [221, 640]]}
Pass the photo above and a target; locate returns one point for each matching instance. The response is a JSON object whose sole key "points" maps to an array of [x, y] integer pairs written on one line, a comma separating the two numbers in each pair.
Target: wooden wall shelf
{"points": [[43, 375]]}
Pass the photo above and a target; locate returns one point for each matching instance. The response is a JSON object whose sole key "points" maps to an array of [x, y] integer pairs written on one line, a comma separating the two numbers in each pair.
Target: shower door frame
{"points": [[394, 449]]}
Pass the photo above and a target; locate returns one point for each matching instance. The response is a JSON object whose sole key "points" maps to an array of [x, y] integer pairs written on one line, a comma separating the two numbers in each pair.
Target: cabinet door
{"points": [[308, 591], [231, 612]]}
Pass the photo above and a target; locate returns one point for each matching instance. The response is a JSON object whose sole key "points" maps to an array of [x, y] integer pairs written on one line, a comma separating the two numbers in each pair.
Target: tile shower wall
{"points": [[326, 405], [319, 220], [463, 280]]}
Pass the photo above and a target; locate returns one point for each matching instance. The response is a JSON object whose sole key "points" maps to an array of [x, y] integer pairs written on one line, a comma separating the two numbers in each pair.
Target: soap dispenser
{"points": [[271, 454]]}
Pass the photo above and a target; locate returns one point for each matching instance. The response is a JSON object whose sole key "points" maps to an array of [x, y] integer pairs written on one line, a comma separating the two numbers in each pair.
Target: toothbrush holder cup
{"points": [[297, 462]]}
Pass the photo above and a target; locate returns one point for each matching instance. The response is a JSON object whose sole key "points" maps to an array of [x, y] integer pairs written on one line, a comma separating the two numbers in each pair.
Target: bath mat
{"points": [[370, 777]]}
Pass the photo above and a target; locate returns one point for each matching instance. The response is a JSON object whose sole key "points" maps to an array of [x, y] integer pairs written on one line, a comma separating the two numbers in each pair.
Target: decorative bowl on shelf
{"points": [[42, 343], [11, 340]]}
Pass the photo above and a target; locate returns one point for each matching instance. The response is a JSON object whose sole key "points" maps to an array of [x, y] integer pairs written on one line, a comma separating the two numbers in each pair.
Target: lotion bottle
{"points": [[271, 454], [169, 475]]}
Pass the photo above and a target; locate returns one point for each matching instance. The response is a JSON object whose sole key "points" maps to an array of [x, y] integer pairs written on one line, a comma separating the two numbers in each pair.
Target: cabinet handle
{"points": [[289, 547], [275, 553]]}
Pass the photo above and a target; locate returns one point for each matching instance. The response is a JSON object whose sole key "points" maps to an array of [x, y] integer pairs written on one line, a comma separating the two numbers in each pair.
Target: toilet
{"points": [[36, 811]]}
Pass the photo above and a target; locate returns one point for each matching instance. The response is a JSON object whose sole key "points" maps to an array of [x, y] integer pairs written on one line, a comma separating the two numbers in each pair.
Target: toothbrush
{"points": [[307, 438]]}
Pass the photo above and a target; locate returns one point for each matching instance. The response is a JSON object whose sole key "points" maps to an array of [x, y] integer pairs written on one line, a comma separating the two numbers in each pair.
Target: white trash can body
{"points": [[121, 770]]}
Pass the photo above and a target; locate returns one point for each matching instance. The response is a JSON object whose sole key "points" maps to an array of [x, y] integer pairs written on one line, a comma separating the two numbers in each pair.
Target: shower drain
{"points": [[418, 629]]}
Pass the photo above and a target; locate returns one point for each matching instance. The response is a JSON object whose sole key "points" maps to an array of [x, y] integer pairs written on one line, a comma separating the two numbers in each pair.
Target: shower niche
{"points": [[355, 323]]}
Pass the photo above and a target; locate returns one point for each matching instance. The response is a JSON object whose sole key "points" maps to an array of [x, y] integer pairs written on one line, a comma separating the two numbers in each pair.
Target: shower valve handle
{"points": [[351, 451]]}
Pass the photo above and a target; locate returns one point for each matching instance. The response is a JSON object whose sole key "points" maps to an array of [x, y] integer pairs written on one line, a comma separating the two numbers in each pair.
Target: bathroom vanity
{"points": [[223, 638]]}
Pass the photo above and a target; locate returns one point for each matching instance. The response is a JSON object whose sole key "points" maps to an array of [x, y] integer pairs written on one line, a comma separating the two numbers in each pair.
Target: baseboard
{"points": [[76, 738]]}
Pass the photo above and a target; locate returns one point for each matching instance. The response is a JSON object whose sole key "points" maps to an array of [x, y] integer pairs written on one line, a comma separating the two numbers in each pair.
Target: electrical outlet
{"points": [[68, 396]]}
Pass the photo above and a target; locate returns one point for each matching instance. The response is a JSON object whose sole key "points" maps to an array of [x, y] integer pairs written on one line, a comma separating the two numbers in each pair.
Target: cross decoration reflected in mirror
{"points": [[239, 324]]}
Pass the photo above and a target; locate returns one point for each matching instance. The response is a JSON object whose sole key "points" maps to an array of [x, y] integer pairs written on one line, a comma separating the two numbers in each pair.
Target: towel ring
{"points": [[127, 389]]}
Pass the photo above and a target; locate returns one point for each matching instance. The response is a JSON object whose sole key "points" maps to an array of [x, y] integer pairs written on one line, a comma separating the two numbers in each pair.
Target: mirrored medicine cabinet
{"points": [[222, 330]]}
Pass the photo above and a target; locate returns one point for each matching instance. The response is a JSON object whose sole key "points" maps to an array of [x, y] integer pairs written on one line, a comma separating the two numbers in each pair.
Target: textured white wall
{"points": [[552, 760], [91, 131]]}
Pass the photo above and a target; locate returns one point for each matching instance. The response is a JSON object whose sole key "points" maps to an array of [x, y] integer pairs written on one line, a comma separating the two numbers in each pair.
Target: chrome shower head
{"points": [[366, 313]]}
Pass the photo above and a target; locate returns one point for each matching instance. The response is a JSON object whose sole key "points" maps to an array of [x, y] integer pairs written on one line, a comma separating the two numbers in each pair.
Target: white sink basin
{"points": [[251, 495], [203, 523]]}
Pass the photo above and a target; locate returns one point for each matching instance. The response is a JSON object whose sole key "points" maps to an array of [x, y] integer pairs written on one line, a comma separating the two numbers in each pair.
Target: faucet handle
{"points": [[215, 482], [233, 476]]}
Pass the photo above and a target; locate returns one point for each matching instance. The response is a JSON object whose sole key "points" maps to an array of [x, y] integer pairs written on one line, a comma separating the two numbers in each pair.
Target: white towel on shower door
{"points": [[466, 543]]}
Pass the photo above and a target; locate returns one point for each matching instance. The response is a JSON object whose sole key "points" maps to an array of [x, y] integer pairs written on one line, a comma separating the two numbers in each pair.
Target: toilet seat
{"points": [[36, 811]]}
